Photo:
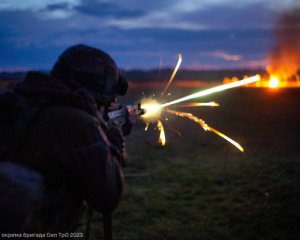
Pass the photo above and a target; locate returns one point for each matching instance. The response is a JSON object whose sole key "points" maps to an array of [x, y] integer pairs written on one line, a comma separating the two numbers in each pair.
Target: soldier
{"points": [[68, 141]]}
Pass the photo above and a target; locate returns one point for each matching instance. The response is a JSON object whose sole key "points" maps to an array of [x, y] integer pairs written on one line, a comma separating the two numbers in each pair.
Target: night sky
{"points": [[210, 34]]}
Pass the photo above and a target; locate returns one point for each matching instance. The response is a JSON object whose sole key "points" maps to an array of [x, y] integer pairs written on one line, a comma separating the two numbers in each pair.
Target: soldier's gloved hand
{"points": [[120, 116], [116, 137], [130, 120]]}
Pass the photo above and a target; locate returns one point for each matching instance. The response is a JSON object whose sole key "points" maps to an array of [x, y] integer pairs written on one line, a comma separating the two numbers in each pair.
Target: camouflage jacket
{"points": [[67, 143]]}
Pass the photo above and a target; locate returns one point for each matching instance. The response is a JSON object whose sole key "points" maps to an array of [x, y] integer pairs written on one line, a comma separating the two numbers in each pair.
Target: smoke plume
{"points": [[284, 59]]}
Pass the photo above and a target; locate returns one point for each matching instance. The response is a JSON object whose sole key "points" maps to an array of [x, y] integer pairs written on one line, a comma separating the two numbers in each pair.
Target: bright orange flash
{"points": [[274, 82], [205, 126], [152, 109]]}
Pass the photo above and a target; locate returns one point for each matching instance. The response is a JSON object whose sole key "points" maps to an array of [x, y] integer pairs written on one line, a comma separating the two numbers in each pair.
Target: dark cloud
{"points": [[28, 57], [150, 45], [141, 48], [102, 9], [61, 6], [31, 40], [153, 5], [246, 16]]}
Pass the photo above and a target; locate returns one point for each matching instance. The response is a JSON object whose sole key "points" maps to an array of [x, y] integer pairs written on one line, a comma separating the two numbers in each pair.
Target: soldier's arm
{"points": [[97, 170]]}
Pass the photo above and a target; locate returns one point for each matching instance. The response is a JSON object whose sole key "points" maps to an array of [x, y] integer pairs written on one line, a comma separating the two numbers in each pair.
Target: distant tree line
{"points": [[182, 74], [9, 79]]}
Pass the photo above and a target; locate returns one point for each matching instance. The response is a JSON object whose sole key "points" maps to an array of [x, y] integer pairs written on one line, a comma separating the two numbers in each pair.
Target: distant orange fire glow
{"points": [[283, 61], [271, 81]]}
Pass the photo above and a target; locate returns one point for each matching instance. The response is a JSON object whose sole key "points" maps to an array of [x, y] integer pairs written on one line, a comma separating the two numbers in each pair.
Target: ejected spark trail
{"points": [[212, 90], [162, 136], [173, 74], [154, 109], [206, 127], [199, 104]]}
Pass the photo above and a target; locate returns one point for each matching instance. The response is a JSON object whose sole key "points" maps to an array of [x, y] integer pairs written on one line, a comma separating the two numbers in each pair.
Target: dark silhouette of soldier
{"points": [[68, 155]]}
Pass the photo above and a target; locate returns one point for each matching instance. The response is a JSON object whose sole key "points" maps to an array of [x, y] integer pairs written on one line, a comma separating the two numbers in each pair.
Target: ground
{"points": [[200, 187]]}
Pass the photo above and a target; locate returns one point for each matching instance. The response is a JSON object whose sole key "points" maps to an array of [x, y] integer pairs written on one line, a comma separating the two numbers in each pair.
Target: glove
{"points": [[117, 140], [130, 120], [120, 116]]}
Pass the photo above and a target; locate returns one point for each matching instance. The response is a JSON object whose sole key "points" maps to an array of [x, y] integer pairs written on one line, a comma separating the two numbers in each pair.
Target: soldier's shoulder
{"points": [[67, 110], [65, 115]]}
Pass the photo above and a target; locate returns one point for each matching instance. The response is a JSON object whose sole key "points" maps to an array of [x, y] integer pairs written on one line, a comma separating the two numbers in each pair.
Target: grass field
{"points": [[200, 187]]}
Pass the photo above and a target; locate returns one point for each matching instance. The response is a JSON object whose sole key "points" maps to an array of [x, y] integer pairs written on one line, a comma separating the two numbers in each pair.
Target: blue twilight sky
{"points": [[210, 34]]}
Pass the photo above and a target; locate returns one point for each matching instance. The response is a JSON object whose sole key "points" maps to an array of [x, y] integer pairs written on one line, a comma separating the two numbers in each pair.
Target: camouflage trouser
{"points": [[27, 205], [59, 211], [20, 191]]}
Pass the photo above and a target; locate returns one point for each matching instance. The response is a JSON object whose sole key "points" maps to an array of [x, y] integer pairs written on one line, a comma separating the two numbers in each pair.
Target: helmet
{"points": [[88, 68]]}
